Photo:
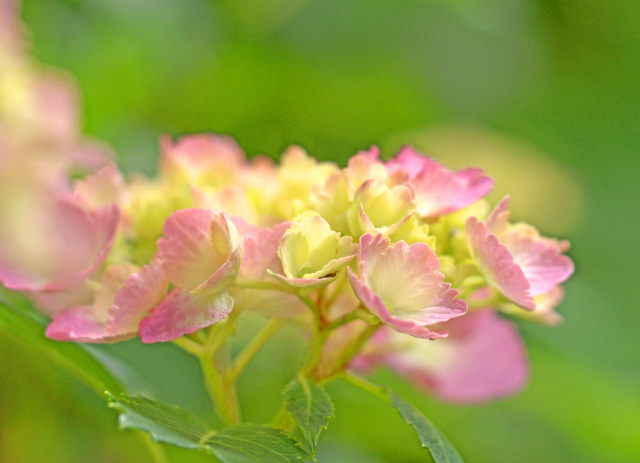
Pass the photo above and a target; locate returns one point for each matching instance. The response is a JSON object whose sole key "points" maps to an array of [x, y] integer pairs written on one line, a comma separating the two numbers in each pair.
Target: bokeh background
{"points": [[544, 94]]}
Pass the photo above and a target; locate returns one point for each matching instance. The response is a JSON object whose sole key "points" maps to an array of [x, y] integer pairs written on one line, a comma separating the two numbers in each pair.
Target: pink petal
{"points": [[197, 155], [437, 190], [498, 220], [498, 264], [542, 263], [224, 276], [50, 302], [104, 224], [79, 324], [374, 303], [545, 308], [139, 293], [546, 304], [105, 187], [402, 285], [406, 276], [187, 249], [365, 165], [11, 34], [482, 359], [261, 250], [75, 243], [56, 104], [181, 313]]}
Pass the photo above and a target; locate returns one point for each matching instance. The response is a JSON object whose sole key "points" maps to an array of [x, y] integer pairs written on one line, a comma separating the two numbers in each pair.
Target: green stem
{"points": [[222, 392], [157, 453], [365, 385], [355, 347], [243, 359], [309, 303], [338, 322], [188, 345], [223, 398]]}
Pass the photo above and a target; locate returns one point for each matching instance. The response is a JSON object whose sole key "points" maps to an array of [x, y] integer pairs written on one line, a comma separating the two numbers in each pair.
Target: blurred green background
{"points": [[544, 94]]}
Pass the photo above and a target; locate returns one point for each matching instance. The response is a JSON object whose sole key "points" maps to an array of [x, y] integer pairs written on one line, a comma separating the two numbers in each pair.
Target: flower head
{"points": [[312, 254], [402, 285], [515, 259], [201, 254]]}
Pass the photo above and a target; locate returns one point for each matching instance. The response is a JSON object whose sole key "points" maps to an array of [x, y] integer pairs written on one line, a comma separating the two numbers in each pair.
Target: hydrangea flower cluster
{"points": [[391, 254], [398, 263]]}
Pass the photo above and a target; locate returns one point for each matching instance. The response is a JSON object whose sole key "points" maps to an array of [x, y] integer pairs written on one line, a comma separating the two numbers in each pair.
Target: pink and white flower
{"points": [[201, 254], [202, 160], [64, 241], [437, 190], [402, 285], [122, 299], [515, 259]]}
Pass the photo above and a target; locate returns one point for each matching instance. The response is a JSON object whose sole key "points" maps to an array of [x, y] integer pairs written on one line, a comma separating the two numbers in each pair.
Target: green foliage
{"points": [[311, 408], [18, 320], [430, 437], [245, 443]]}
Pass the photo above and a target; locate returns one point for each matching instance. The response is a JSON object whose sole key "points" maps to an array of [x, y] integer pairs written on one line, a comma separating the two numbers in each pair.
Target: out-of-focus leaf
{"points": [[430, 437], [245, 443], [311, 408], [29, 330], [165, 423]]}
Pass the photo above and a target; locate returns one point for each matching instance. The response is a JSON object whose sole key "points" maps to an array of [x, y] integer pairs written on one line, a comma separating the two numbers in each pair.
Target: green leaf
{"points": [[21, 322], [165, 423], [256, 444], [244, 443], [430, 437], [311, 408]]}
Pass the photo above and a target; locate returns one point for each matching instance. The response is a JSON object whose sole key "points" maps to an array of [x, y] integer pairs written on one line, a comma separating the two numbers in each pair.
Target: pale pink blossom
{"points": [[202, 160], [201, 254], [123, 298], [402, 285], [65, 241], [437, 190], [515, 259]]}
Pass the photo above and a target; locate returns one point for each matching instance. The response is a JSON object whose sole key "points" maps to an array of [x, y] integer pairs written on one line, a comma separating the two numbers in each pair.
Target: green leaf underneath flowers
{"points": [[244, 443], [311, 408], [430, 437], [19, 320]]}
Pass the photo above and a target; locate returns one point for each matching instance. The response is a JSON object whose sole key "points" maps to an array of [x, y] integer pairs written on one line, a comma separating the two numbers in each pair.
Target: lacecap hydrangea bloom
{"points": [[404, 258]]}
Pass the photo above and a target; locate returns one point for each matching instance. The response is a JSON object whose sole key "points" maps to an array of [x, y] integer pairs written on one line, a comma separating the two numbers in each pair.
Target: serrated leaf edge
{"points": [[439, 436], [313, 442], [117, 404]]}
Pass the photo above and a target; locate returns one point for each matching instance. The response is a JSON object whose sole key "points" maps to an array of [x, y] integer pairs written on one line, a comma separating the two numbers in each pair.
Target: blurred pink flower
{"points": [[515, 259], [483, 358]]}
